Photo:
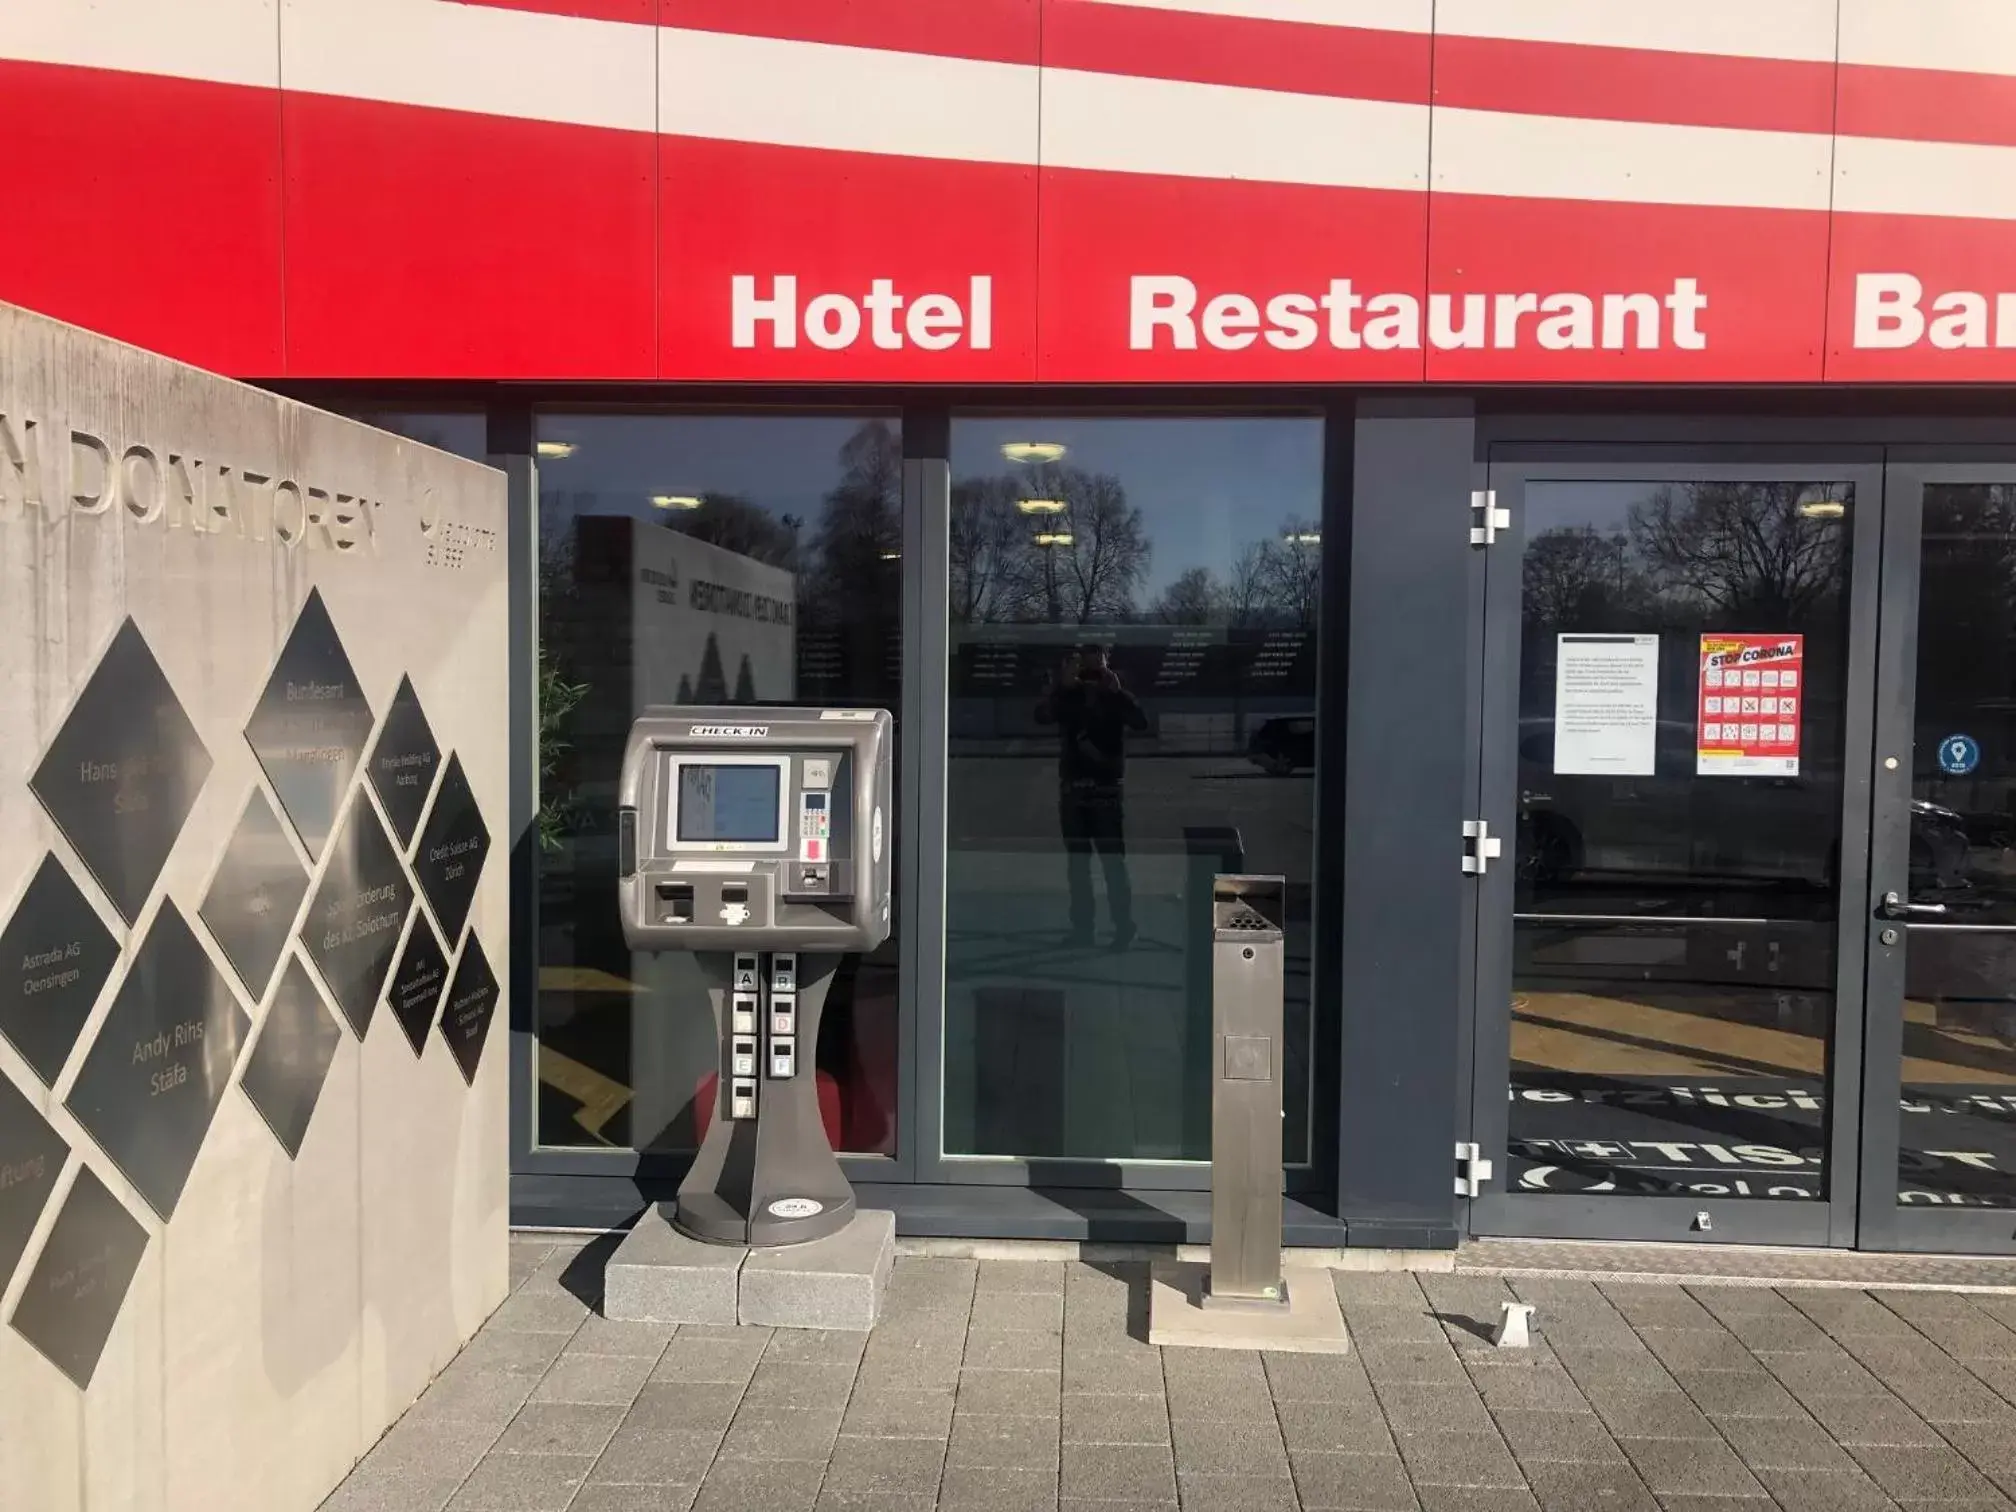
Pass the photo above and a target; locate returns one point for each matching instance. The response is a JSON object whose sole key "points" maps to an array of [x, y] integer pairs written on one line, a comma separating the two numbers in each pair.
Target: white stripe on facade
{"points": [[1801, 30], [849, 99], [217, 42], [1965, 36], [1628, 162], [1877, 175], [480, 58], [1129, 125]]}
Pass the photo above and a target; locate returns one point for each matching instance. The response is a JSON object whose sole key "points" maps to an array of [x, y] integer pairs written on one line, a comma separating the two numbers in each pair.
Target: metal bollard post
{"points": [[1247, 952]]}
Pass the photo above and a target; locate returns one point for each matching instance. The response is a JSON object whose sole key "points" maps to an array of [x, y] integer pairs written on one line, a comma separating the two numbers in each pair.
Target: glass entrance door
{"points": [[1939, 1158], [1678, 658]]}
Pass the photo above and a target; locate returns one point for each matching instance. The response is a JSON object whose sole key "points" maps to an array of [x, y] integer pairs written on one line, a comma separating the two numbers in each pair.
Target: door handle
{"points": [[1894, 907]]}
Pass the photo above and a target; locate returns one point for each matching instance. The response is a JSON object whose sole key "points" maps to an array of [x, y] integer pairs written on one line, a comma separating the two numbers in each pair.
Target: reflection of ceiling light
{"points": [[1040, 506], [1033, 451], [1302, 537], [675, 501], [1823, 509], [1054, 538], [892, 556], [557, 449]]}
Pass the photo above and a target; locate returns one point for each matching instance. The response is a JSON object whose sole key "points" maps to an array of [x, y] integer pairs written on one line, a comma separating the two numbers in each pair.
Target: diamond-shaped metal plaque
{"points": [[354, 919], [415, 991], [291, 1058], [452, 850], [255, 895], [31, 1158], [311, 724], [158, 1068], [55, 954], [472, 1003], [123, 771], [403, 762], [79, 1282]]}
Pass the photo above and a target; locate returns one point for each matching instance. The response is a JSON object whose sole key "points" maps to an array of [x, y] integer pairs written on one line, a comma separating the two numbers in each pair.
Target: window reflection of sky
{"points": [[784, 464], [1207, 486]]}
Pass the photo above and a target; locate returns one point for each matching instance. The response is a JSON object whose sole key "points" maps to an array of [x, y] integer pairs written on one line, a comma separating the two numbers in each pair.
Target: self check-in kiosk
{"points": [[758, 840]]}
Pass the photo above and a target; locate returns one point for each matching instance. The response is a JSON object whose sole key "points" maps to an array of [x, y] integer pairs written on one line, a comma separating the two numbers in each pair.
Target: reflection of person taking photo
{"points": [[1093, 713]]}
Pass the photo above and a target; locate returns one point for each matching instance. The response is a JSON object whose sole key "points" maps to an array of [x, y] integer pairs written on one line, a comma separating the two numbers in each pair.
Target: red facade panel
{"points": [[433, 243], [145, 207]]}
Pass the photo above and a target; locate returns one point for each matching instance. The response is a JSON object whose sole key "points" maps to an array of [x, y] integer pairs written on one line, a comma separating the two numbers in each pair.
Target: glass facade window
{"points": [[1957, 1146], [1679, 836], [701, 559], [1133, 622]]}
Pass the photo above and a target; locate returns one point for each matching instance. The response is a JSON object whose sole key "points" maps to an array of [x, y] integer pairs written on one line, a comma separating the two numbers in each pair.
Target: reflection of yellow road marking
{"points": [[1693, 1044], [601, 1099], [582, 979], [1938, 1073], [1683, 1044]]}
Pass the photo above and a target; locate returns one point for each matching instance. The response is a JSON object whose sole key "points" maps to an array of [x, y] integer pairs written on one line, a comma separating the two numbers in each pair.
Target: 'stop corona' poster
{"points": [[1748, 707]]}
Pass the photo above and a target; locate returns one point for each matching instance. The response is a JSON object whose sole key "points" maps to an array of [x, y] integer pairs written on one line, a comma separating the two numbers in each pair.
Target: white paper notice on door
{"points": [[1606, 705]]}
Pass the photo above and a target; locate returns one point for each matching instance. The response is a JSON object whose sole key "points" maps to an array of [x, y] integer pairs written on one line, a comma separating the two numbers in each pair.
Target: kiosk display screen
{"points": [[729, 803]]}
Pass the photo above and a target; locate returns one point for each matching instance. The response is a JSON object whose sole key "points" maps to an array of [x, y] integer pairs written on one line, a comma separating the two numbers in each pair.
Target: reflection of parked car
{"points": [[1282, 746], [1674, 823]]}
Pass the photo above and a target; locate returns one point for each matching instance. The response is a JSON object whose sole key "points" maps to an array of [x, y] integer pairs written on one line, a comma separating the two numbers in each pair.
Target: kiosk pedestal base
{"points": [[1311, 1323], [659, 1275], [769, 1177]]}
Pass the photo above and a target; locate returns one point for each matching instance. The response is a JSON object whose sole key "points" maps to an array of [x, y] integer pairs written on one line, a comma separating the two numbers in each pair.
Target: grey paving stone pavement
{"points": [[1028, 1386]]}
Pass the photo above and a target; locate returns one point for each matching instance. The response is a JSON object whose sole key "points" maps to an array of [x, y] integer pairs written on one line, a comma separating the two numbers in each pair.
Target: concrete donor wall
{"points": [[252, 766]]}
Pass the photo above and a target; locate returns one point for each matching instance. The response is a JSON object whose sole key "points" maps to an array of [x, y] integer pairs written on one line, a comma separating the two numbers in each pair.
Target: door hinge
{"points": [[1472, 1170], [1480, 847], [1486, 517]]}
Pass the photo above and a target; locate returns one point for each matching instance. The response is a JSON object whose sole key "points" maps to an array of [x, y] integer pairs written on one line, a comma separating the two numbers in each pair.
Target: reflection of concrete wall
{"points": [[238, 1235], [708, 625]]}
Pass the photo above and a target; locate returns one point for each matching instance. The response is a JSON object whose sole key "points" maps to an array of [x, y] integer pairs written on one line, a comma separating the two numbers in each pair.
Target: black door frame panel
{"points": [[1509, 468], [1887, 1224]]}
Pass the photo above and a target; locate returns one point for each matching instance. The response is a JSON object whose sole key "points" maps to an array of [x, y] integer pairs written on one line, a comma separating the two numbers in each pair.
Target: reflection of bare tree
{"points": [[1077, 563], [1246, 591], [1292, 573], [1061, 546], [1194, 598], [850, 583], [988, 550], [1741, 550], [736, 524], [1108, 552], [1575, 575], [860, 532], [1970, 554]]}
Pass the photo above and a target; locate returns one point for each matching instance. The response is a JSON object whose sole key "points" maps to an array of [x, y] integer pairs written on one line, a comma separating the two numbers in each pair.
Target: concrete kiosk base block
{"points": [[658, 1275], [837, 1282], [1312, 1323]]}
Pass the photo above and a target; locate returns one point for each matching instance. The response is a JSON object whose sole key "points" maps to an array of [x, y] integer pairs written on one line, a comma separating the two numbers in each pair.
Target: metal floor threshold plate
{"points": [[1734, 1265]]}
